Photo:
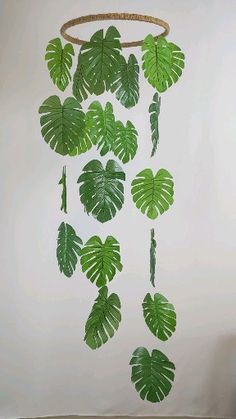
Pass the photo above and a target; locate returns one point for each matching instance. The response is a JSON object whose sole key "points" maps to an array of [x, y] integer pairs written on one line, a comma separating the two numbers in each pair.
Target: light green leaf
{"points": [[68, 249], [103, 320], [159, 316], [163, 62], [59, 62], [154, 111], [81, 87], [126, 82], [100, 126], [101, 260], [62, 125], [101, 190], [125, 145], [153, 246], [100, 57], [153, 195], [152, 374]]}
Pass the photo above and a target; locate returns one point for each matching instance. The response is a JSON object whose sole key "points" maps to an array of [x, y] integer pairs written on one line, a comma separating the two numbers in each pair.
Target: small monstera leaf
{"points": [[100, 57], [154, 111], [126, 82], [159, 316], [59, 62], [152, 374], [100, 126], [62, 125], [163, 62], [101, 260], [102, 190], [81, 87], [153, 195], [125, 145], [103, 320], [68, 249], [153, 246]]}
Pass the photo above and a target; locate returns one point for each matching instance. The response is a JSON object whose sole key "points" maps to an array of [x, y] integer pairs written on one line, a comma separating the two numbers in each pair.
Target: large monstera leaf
{"points": [[81, 87], [153, 195], [126, 82], [152, 374], [100, 58], [59, 62], [100, 126], [159, 316], [154, 111], [103, 320], [163, 62], [101, 260], [125, 145], [62, 125], [68, 249], [102, 190]]}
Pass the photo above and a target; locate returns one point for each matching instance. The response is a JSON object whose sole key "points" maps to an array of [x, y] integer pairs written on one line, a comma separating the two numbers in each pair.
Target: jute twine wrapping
{"points": [[112, 16]]}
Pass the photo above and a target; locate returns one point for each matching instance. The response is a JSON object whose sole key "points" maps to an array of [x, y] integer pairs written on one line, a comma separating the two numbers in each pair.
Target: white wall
{"points": [[46, 368]]}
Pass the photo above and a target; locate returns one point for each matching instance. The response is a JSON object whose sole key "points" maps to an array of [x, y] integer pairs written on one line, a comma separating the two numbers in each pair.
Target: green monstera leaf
{"points": [[102, 190], [126, 82], [153, 195], [68, 249], [100, 126], [100, 58], [81, 88], [103, 320], [101, 260], [125, 145], [153, 246], [163, 62], [159, 316], [59, 62], [84, 142], [154, 111], [62, 125], [152, 374]]}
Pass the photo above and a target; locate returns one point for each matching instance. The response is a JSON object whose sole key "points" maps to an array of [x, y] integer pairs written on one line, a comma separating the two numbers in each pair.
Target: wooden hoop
{"points": [[112, 16]]}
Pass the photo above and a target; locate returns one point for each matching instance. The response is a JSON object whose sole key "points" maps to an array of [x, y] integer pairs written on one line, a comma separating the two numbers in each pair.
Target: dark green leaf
{"points": [[103, 320], [153, 246], [101, 190], [62, 125], [153, 195], [125, 145], [68, 249], [152, 374], [64, 190], [101, 260], [126, 82], [159, 316], [163, 62], [154, 111], [59, 62], [81, 87]]}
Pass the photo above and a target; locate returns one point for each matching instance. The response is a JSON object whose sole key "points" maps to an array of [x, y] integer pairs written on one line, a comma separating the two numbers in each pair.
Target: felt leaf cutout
{"points": [[152, 374], [81, 87], [103, 320], [126, 82], [163, 62], [84, 141], [154, 111], [159, 316], [64, 190], [100, 57], [62, 125], [59, 61], [68, 249], [101, 260], [102, 190], [125, 145], [153, 246], [153, 195], [100, 126]]}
